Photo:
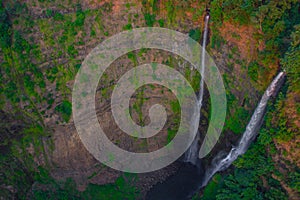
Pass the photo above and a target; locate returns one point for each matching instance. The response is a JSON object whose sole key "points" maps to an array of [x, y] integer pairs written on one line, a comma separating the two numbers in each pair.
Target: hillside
{"points": [[43, 44]]}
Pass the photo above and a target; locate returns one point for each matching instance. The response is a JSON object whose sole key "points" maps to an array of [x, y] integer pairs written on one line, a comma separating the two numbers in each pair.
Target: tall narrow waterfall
{"points": [[249, 134], [203, 60], [191, 155]]}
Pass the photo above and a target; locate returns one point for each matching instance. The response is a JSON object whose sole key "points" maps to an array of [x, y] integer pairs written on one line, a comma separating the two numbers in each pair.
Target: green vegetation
{"points": [[48, 188], [212, 187], [256, 175], [42, 46], [175, 106], [216, 41], [195, 34], [149, 19], [236, 121], [291, 60], [65, 108], [171, 135], [253, 71], [253, 177], [252, 171], [275, 19], [17, 165], [127, 27], [171, 12], [161, 22], [138, 106], [24, 74]]}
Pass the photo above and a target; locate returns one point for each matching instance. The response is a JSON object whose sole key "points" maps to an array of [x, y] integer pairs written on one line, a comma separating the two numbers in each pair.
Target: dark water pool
{"points": [[180, 186]]}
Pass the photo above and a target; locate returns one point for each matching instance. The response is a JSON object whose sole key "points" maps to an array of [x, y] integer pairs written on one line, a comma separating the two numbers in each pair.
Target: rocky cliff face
{"points": [[60, 35], [66, 155], [60, 55]]}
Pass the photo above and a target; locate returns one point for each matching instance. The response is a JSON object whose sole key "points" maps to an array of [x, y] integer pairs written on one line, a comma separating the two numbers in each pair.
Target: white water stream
{"points": [[191, 155], [249, 134]]}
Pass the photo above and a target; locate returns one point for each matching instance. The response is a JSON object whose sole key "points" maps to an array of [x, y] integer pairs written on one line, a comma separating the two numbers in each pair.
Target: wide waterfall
{"points": [[250, 133], [191, 155]]}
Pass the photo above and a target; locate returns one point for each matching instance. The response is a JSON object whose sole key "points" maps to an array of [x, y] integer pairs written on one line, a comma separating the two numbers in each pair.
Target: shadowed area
{"points": [[180, 186]]}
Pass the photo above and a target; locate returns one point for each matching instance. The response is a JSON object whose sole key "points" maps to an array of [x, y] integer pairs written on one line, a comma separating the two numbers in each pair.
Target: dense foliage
{"points": [[47, 188]]}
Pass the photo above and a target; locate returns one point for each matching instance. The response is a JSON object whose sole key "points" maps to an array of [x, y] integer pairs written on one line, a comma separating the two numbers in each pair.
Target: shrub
{"points": [[150, 19], [65, 108]]}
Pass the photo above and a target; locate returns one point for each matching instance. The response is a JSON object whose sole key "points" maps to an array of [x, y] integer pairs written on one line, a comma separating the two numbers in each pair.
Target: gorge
{"points": [[254, 43]]}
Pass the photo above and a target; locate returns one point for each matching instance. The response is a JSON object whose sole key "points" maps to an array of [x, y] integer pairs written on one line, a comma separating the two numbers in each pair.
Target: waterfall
{"points": [[221, 163], [191, 155], [192, 176], [203, 61]]}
